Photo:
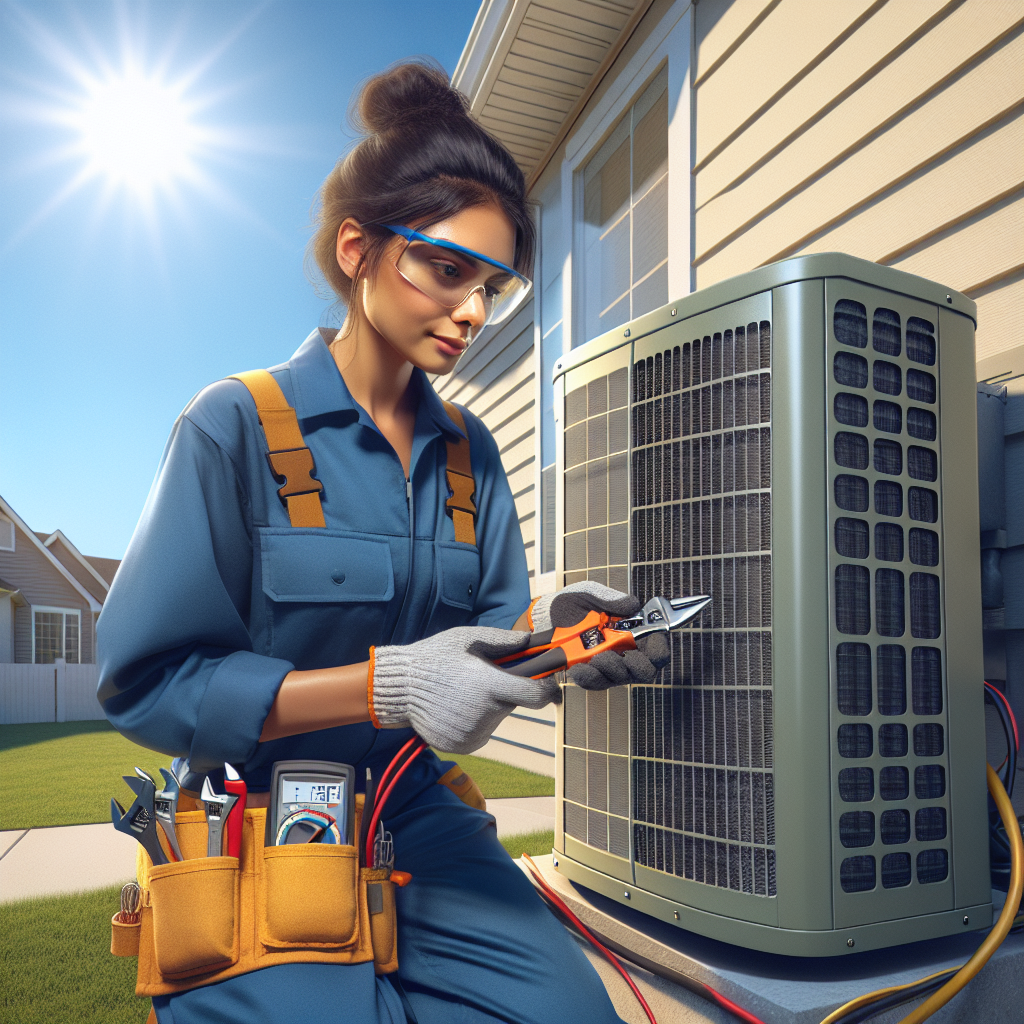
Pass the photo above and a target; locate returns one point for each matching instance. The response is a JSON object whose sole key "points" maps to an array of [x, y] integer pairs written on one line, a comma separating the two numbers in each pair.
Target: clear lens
{"points": [[449, 277]]}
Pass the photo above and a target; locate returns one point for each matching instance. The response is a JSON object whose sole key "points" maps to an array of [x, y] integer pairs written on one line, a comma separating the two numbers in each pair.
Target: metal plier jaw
{"points": [[139, 821], [661, 614], [165, 804]]}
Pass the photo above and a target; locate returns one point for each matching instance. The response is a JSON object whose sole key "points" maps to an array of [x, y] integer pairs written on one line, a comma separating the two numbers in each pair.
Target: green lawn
{"points": [[536, 844], [65, 773], [57, 965]]}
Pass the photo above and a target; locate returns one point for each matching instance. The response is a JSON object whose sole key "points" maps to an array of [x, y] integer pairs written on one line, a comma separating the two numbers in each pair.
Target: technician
{"points": [[231, 635]]}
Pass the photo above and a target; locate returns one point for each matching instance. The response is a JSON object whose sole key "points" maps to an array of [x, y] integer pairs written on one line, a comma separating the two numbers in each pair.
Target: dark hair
{"points": [[422, 158]]}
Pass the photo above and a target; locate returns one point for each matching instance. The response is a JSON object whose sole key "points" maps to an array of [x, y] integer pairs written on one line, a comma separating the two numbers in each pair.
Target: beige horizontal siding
{"points": [[866, 52], [781, 206], [903, 145], [1000, 315], [722, 25]]}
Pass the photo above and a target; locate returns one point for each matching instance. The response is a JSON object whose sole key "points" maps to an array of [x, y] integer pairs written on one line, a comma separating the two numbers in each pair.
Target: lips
{"points": [[451, 346]]}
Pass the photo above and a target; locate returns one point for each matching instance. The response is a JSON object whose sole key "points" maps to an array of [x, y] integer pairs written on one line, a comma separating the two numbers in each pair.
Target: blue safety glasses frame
{"points": [[450, 282]]}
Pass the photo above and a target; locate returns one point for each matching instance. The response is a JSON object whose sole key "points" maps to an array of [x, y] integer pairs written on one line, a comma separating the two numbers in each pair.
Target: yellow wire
{"points": [[1005, 922], [871, 997]]}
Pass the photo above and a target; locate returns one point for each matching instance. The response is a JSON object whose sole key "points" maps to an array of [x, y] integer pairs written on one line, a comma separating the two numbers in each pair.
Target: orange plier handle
{"points": [[565, 646]]}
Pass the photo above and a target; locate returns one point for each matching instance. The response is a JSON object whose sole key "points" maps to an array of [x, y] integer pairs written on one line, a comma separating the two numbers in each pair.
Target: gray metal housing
{"points": [[807, 777]]}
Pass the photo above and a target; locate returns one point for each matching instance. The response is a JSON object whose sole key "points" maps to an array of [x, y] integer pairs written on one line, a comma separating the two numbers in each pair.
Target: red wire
{"points": [[610, 956], [1006, 704], [391, 764], [379, 803]]}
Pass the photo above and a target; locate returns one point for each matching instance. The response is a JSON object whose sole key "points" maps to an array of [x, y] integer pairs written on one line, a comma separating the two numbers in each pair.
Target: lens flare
{"points": [[136, 132]]}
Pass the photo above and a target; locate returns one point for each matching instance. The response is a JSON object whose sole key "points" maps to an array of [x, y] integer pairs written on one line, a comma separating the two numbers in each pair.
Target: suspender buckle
{"points": [[295, 466]]}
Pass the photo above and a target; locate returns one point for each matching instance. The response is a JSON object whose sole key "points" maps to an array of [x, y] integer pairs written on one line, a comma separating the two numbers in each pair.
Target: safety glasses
{"points": [[449, 274]]}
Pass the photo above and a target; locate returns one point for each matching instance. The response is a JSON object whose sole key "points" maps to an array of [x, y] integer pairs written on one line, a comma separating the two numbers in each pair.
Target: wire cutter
{"points": [[565, 646]]}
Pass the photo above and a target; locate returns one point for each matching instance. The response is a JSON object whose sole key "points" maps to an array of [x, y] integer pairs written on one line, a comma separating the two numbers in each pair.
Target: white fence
{"points": [[48, 693]]}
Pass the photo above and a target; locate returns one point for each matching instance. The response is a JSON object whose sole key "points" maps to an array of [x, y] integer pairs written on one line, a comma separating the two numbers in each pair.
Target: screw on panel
{"points": [[626, 894], [850, 943], [949, 299], [625, 333], [966, 919], [675, 914], [673, 312], [554, 860]]}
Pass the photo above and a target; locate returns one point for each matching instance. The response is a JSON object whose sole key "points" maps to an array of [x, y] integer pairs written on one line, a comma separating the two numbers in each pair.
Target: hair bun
{"points": [[412, 92]]}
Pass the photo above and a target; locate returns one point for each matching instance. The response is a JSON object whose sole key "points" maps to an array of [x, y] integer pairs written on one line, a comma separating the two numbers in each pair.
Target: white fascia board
{"points": [[20, 523], [490, 19], [59, 535]]}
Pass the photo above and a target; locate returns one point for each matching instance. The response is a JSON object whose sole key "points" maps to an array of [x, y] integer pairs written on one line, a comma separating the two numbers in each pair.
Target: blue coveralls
{"points": [[219, 597]]}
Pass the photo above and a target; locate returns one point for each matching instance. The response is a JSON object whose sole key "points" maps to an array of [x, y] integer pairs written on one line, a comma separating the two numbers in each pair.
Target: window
{"points": [[6, 534], [625, 218], [55, 634]]}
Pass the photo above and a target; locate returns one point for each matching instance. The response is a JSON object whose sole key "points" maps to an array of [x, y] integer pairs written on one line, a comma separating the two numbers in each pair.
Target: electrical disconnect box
{"points": [[808, 774]]}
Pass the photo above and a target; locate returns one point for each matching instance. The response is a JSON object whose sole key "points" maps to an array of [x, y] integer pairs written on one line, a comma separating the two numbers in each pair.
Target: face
{"points": [[419, 329]]}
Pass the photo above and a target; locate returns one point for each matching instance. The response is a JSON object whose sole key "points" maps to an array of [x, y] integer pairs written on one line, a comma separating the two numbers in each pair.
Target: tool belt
{"points": [[205, 919]]}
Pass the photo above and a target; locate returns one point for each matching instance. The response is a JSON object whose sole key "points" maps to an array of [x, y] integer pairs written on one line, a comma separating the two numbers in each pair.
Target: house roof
{"points": [[86, 563], [106, 567], [529, 67], [21, 525]]}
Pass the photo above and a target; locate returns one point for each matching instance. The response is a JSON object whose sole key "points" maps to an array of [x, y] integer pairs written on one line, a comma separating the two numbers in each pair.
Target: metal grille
{"points": [[879, 600], [596, 737], [703, 793]]}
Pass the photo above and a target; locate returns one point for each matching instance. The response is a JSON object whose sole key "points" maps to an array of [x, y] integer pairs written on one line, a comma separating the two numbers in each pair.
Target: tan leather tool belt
{"points": [[206, 919]]}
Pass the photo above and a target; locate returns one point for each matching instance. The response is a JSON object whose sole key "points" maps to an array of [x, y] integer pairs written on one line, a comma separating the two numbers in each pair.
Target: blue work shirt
{"points": [[219, 597]]}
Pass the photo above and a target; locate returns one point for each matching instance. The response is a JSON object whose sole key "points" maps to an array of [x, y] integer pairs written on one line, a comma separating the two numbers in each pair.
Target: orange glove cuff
{"points": [[529, 613], [369, 691]]}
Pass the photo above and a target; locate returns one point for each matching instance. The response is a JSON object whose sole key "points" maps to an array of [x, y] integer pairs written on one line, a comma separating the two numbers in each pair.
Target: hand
{"points": [[447, 688], [572, 604]]}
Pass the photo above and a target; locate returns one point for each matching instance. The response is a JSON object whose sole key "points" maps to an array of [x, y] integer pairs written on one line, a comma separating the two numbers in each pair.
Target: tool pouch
{"points": [[205, 919]]}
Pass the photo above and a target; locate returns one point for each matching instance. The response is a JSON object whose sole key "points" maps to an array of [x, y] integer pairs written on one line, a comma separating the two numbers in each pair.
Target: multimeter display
{"points": [[320, 786]]}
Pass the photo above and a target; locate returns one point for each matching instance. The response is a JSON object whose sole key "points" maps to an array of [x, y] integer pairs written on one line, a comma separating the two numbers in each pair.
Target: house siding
{"points": [[891, 131], [70, 562], [496, 381], [41, 583]]}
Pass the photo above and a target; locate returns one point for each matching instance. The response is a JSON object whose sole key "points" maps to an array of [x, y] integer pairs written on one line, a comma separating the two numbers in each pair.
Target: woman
{"points": [[232, 636]]}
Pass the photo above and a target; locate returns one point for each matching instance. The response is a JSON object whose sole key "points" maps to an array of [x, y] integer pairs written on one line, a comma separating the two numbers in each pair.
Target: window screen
{"points": [[625, 217]]}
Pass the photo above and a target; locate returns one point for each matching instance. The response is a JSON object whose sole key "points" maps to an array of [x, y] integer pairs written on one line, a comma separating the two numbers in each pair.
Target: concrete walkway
{"points": [[75, 858]]}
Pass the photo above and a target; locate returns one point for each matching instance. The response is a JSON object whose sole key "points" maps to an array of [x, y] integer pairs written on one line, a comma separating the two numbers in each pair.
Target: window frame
{"points": [[6, 520], [65, 613]]}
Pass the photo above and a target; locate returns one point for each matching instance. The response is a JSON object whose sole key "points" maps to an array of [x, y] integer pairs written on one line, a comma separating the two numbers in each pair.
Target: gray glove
{"points": [[447, 689], [572, 604]]}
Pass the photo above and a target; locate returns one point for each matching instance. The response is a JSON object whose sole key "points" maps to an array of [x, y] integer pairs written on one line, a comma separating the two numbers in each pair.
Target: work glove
{"points": [[572, 604], [447, 688]]}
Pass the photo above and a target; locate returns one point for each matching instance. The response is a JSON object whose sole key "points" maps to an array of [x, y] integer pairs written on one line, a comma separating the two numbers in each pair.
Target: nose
{"points": [[472, 309]]}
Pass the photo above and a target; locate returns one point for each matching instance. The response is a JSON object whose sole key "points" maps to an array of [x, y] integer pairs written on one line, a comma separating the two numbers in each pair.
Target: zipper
{"points": [[412, 556]]}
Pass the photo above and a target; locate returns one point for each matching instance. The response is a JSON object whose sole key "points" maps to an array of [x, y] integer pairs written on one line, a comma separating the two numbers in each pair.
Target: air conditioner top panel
{"points": [[773, 275]]}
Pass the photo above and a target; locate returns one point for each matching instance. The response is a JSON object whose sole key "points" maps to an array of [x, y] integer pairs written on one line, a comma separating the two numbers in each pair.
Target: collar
{"points": [[320, 389]]}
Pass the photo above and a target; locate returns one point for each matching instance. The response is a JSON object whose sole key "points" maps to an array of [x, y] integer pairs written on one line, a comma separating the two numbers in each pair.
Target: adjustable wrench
{"points": [[218, 807], [165, 803], [139, 821]]}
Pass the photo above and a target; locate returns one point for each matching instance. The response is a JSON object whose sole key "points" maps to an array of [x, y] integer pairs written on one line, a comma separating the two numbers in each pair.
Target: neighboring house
{"points": [[669, 145], [50, 595]]}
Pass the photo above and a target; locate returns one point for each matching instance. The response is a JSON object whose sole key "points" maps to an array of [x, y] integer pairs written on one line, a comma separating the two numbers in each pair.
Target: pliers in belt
{"points": [[565, 646]]}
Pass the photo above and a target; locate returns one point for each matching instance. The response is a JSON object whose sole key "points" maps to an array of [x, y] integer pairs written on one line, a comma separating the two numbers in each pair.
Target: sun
{"points": [[136, 131]]}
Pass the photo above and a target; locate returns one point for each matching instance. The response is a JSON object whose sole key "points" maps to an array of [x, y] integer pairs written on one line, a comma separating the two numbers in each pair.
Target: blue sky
{"points": [[118, 304]]}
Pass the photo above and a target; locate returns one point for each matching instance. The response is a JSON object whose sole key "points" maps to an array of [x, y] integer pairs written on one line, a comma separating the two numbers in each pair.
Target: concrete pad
{"points": [[519, 815], [787, 989], [70, 858], [8, 839]]}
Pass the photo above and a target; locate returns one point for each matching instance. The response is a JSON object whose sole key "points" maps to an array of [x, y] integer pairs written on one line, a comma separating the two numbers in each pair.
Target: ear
{"points": [[349, 250]]}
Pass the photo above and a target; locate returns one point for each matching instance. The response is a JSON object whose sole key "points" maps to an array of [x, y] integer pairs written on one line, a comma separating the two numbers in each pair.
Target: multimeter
{"points": [[321, 789]]}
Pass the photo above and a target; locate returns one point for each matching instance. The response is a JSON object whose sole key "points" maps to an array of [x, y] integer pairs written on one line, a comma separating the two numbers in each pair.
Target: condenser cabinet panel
{"points": [[807, 775]]}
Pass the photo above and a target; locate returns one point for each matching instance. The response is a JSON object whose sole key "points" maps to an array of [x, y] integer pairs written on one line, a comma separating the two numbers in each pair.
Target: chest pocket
{"points": [[458, 584], [325, 567]]}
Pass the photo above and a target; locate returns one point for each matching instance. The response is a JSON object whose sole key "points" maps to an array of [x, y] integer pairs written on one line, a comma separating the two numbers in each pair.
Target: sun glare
{"points": [[136, 132]]}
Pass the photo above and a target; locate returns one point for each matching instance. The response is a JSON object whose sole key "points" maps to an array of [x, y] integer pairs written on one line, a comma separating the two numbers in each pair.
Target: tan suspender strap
{"points": [[460, 506], [288, 455]]}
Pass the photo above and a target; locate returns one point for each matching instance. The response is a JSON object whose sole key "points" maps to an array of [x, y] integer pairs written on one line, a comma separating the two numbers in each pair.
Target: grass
{"points": [[536, 844], [57, 965], [497, 780], [65, 773]]}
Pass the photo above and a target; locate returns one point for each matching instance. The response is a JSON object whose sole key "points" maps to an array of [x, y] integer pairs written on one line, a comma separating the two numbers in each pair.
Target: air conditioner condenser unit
{"points": [[807, 776]]}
